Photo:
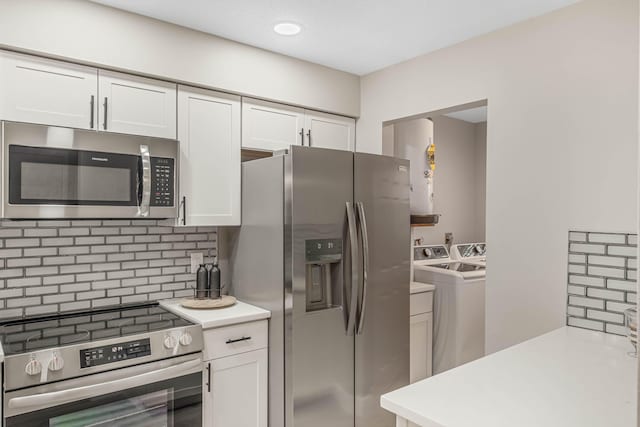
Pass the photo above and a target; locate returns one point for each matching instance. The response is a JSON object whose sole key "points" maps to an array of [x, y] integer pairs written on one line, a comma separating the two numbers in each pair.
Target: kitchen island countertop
{"points": [[569, 377]]}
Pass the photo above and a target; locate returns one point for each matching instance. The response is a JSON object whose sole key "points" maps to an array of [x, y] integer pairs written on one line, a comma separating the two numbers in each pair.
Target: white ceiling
{"points": [[472, 115], [358, 36]]}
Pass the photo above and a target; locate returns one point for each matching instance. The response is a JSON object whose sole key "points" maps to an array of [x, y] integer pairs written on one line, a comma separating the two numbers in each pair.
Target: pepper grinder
{"points": [[201, 282], [214, 279]]}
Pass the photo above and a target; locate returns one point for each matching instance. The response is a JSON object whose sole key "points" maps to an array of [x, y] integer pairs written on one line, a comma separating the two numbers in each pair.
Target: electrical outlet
{"points": [[197, 258]]}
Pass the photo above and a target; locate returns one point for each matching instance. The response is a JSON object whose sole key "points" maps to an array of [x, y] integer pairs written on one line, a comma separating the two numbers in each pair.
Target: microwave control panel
{"points": [[114, 353], [162, 181]]}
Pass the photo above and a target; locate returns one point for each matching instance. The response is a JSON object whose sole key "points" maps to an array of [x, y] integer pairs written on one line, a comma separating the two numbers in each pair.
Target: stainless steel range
{"points": [[125, 366]]}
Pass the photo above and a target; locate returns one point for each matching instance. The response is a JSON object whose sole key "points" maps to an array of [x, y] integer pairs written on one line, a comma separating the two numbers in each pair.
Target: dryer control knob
{"points": [[170, 342], [33, 367], [427, 252], [186, 339], [56, 363]]}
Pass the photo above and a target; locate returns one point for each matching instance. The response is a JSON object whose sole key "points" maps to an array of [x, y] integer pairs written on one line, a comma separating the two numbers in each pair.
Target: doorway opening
{"points": [[447, 150]]}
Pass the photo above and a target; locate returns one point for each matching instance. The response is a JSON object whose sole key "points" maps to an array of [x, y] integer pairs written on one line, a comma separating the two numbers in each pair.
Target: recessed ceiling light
{"points": [[287, 28]]}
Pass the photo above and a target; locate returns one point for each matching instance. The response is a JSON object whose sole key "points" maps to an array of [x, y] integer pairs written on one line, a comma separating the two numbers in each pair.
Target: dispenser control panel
{"points": [[323, 250]]}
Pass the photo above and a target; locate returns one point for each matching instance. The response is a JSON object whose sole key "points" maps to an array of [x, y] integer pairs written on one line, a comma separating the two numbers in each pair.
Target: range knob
{"points": [[170, 342], [186, 339], [56, 363], [33, 367]]}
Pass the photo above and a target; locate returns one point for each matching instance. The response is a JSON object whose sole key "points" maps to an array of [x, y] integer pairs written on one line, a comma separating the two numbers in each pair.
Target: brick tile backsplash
{"points": [[52, 266], [601, 281]]}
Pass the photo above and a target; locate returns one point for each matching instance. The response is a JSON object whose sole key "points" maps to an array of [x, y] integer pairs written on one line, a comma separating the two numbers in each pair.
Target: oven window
{"points": [[148, 410], [70, 182], [175, 402], [58, 176]]}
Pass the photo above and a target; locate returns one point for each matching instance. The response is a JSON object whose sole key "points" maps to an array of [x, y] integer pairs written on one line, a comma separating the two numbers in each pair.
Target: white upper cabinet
{"points": [[329, 131], [209, 135], [136, 105], [270, 126], [43, 91]]}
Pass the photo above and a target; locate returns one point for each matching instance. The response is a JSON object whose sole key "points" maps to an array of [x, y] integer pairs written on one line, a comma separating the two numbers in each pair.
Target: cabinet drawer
{"points": [[421, 303], [235, 339]]}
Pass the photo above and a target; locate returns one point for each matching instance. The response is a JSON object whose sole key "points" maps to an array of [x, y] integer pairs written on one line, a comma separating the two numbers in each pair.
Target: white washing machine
{"points": [[471, 253], [459, 305]]}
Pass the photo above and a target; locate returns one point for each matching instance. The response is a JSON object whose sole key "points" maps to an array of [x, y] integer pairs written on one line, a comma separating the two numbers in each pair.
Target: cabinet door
{"points": [[36, 90], [329, 131], [209, 135], [136, 105], [420, 339], [238, 391], [270, 126]]}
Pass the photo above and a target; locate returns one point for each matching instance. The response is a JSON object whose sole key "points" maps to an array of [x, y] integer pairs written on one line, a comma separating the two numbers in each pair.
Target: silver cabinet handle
{"points": [[309, 137], [145, 197], [91, 108], [79, 393], [352, 279], [365, 264], [106, 106], [302, 136]]}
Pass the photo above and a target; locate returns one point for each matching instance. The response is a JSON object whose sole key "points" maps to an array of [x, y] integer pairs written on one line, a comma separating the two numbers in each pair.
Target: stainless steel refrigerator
{"points": [[324, 244]]}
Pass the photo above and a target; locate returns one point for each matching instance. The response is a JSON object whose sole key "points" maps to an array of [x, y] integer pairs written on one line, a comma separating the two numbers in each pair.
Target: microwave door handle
{"points": [[145, 199]]}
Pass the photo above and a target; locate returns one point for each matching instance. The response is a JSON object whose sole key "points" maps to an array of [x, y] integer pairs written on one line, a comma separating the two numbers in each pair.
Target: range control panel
{"points": [[421, 253], [114, 353], [162, 179]]}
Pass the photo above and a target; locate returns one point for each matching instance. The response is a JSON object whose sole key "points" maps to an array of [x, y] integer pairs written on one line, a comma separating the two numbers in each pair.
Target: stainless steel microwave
{"points": [[54, 172]]}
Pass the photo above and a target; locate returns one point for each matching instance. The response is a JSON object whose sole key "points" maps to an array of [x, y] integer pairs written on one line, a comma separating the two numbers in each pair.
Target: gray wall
{"points": [[51, 266], [87, 32], [562, 143]]}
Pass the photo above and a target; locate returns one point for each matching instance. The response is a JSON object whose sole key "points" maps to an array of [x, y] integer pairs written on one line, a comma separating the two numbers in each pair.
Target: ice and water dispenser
{"points": [[323, 259]]}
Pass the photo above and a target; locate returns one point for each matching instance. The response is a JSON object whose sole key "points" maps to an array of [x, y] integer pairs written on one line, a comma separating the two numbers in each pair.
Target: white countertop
{"points": [[567, 378], [239, 313], [418, 287]]}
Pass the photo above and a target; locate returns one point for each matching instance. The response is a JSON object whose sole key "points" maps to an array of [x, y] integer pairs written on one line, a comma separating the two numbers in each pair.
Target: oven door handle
{"points": [[145, 197], [79, 393]]}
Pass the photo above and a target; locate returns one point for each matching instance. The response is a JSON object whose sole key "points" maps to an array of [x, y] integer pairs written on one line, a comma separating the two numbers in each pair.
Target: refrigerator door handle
{"points": [[351, 280], [365, 264]]}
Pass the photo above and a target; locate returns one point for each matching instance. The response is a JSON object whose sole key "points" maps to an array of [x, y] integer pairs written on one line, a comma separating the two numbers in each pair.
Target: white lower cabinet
{"points": [[236, 385], [421, 336]]}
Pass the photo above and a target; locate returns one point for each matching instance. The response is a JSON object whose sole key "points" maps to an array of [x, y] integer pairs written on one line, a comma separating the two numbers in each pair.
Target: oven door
{"points": [[52, 172], [157, 394]]}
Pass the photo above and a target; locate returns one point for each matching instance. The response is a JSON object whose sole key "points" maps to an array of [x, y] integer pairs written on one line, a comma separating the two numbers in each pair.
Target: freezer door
{"points": [[381, 191], [319, 353]]}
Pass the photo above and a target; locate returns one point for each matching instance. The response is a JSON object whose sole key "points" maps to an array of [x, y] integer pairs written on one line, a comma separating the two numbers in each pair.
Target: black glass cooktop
{"points": [[37, 333], [459, 266]]}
